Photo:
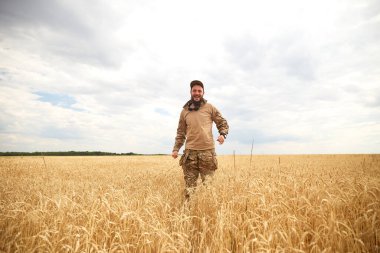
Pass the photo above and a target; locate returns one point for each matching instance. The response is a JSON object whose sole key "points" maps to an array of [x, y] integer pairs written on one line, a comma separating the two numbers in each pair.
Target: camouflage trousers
{"points": [[197, 163]]}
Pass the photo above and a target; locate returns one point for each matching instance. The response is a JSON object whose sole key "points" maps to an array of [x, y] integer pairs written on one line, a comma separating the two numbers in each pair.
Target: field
{"points": [[308, 203]]}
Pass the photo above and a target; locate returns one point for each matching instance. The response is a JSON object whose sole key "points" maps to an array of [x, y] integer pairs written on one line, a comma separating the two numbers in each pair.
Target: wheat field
{"points": [[305, 203]]}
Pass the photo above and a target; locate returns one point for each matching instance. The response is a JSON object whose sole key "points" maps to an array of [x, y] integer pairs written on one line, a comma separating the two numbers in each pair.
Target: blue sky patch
{"points": [[57, 99], [162, 111], [63, 133], [245, 135]]}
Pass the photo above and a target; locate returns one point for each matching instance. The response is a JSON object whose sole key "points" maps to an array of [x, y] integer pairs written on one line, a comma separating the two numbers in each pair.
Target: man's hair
{"points": [[196, 82]]}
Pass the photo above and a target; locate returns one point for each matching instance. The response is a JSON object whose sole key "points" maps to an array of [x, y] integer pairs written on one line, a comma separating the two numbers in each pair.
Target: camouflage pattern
{"points": [[197, 163]]}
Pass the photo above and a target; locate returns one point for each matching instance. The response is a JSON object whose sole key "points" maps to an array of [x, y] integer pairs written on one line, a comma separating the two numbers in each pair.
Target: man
{"points": [[195, 126]]}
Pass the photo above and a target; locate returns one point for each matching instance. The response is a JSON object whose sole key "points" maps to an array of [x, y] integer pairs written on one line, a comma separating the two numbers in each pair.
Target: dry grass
{"points": [[135, 204]]}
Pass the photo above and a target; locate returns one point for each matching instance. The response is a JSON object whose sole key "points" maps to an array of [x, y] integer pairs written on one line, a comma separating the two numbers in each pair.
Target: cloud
{"points": [[246, 52], [52, 14], [61, 30], [289, 53]]}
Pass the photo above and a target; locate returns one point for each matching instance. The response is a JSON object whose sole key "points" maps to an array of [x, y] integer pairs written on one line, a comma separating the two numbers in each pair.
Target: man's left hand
{"points": [[220, 139]]}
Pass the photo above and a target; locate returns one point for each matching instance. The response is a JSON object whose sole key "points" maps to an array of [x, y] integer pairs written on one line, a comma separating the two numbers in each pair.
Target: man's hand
{"points": [[220, 139], [175, 154]]}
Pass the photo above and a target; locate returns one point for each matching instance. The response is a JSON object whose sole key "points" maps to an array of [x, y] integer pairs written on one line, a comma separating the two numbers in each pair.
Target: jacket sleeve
{"points": [[221, 123], [181, 133]]}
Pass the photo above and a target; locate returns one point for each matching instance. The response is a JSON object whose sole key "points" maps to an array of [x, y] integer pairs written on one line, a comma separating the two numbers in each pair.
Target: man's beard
{"points": [[194, 105]]}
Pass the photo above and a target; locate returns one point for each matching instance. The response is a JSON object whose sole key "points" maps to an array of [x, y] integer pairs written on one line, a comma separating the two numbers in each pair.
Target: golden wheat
{"points": [[307, 203]]}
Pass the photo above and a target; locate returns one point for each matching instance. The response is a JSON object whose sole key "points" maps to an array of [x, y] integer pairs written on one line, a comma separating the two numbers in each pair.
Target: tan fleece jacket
{"points": [[196, 127]]}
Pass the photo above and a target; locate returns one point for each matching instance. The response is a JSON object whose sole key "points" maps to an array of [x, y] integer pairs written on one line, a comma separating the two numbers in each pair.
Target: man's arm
{"points": [[221, 124], [181, 135]]}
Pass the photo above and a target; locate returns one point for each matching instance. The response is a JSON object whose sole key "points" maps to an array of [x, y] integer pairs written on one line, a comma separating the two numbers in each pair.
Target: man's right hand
{"points": [[175, 154]]}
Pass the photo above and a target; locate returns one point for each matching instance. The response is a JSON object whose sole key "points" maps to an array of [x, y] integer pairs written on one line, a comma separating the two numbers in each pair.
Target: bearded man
{"points": [[195, 127]]}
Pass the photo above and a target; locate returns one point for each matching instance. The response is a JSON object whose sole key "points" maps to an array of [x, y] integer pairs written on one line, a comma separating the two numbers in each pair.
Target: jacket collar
{"points": [[188, 103]]}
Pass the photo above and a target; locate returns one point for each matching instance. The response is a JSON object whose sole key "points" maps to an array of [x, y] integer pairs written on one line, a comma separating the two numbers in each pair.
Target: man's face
{"points": [[196, 93]]}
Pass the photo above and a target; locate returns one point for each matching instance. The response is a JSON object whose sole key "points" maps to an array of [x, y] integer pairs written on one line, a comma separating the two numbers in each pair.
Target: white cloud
{"points": [[299, 77]]}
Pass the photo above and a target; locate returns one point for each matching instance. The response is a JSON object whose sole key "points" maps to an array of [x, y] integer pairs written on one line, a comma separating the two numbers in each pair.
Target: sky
{"points": [[291, 77]]}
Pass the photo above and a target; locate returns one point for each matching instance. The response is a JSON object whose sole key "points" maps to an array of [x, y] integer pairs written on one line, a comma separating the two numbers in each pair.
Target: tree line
{"points": [[65, 153]]}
